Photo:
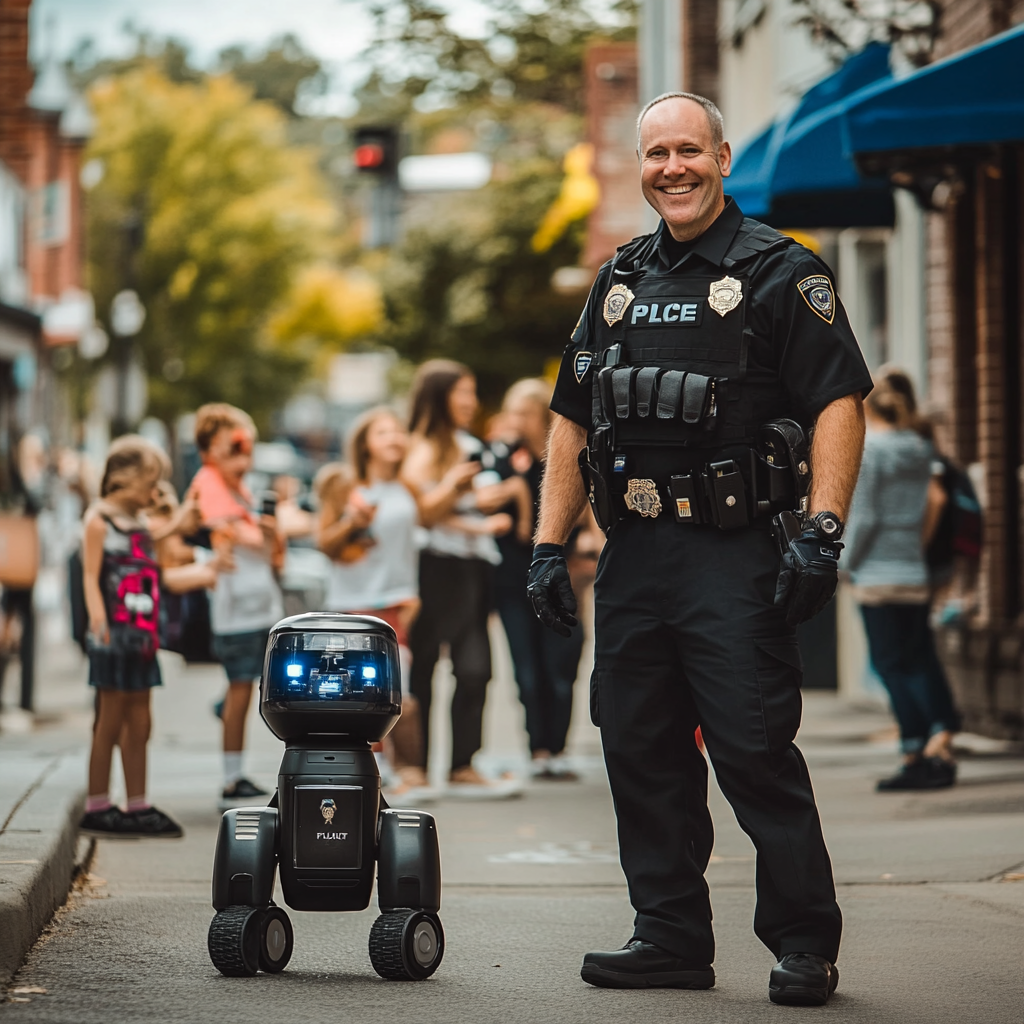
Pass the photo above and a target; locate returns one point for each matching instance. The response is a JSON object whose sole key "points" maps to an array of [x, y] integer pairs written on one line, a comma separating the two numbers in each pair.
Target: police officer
{"points": [[705, 352]]}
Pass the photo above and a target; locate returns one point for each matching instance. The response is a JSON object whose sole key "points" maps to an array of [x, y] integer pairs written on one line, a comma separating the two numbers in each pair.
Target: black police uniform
{"points": [[687, 633]]}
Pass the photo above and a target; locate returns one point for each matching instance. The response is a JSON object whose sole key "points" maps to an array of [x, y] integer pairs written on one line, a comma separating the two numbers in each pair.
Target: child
{"points": [[247, 601], [121, 581]]}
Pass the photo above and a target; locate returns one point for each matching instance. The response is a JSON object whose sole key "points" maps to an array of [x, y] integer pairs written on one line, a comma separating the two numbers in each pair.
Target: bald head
{"points": [[716, 124]]}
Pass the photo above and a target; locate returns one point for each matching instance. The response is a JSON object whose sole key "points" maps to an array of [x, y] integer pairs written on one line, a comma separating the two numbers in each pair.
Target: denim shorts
{"points": [[241, 654]]}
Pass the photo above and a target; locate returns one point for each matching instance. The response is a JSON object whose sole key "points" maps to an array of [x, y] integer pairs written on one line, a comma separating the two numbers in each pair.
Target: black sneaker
{"points": [[108, 824], [802, 979], [152, 824], [941, 772], [242, 789], [913, 775]]}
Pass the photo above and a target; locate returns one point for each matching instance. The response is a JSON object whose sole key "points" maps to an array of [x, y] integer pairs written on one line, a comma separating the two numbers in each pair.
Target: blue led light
{"points": [[369, 672], [293, 671]]}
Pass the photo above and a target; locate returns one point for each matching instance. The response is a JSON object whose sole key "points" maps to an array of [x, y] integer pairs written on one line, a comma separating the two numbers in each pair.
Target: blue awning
{"points": [[796, 174], [974, 98]]}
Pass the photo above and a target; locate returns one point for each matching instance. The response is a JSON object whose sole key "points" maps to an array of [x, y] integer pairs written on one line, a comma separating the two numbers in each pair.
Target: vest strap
{"points": [[695, 392], [645, 390], [669, 393]]}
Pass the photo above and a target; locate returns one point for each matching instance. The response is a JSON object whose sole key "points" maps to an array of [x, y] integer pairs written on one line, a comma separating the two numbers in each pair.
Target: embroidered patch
{"points": [[818, 294], [581, 364]]}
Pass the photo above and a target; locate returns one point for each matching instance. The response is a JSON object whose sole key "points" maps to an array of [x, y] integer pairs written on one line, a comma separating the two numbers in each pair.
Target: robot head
{"points": [[333, 674]]}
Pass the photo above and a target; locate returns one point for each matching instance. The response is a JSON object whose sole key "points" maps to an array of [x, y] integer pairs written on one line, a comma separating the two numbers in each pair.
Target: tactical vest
{"points": [[671, 367]]}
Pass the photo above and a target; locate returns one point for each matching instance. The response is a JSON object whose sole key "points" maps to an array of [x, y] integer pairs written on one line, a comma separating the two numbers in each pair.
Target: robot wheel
{"points": [[243, 940], [406, 945]]}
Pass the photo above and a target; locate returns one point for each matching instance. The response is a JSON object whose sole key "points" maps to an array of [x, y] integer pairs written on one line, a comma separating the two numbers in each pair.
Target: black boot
{"points": [[641, 964], [913, 775], [802, 979]]}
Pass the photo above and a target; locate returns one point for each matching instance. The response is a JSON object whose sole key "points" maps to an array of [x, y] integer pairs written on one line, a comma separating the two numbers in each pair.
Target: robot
{"points": [[331, 686]]}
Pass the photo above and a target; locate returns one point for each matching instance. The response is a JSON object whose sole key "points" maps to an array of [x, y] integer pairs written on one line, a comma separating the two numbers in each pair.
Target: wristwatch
{"points": [[827, 525]]}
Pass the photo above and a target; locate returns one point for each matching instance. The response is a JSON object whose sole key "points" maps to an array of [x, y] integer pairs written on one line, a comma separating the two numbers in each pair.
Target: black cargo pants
{"points": [[687, 635]]}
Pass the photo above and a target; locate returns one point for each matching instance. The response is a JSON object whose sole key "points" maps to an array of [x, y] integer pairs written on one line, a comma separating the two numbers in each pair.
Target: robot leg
{"points": [[248, 932], [407, 941]]}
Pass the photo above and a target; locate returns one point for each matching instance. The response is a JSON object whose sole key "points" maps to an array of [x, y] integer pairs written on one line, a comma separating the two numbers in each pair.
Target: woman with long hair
{"points": [[891, 521], [456, 566], [367, 528]]}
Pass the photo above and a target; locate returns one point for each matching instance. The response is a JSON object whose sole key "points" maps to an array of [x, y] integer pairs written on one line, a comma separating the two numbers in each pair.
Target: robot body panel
{"points": [[408, 862], [243, 868]]}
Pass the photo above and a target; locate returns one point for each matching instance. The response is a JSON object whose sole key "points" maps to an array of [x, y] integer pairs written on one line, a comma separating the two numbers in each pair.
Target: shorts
{"points": [[122, 672], [241, 654]]}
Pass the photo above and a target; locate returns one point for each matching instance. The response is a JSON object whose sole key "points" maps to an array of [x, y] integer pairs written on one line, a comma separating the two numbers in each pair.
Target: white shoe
{"points": [[469, 784], [412, 796], [539, 766]]}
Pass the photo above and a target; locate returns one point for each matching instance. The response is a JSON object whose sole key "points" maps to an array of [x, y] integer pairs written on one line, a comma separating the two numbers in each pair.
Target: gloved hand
{"points": [[550, 589], [808, 577]]}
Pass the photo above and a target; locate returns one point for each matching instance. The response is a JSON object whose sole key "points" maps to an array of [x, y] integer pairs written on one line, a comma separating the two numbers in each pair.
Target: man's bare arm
{"points": [[835, 455], [561, 494]]}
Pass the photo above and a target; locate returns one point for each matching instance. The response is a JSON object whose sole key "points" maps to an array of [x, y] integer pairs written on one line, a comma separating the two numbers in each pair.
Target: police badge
{"points": [[581, 364], [615, 303], [725, 295], [642, 496], [818, 294]]}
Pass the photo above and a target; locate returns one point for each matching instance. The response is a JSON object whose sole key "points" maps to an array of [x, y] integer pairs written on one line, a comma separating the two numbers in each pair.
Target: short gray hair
{"points": [[715, 121]]}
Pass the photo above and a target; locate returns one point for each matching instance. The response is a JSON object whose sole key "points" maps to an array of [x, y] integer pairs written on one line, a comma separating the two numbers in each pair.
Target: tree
{"points": [[208, 213], [281, 73]]}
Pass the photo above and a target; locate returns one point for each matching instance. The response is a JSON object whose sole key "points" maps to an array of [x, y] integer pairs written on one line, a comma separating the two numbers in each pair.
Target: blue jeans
{"points": [[903, 654], [545, 667]]}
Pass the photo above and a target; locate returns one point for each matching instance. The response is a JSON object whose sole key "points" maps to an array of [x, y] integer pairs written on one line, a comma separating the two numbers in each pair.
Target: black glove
{"points": [[550, 589], [808, 577]]}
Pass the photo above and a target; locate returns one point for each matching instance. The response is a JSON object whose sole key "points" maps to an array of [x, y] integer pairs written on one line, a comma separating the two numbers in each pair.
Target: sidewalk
{"points": [[931, 885]]}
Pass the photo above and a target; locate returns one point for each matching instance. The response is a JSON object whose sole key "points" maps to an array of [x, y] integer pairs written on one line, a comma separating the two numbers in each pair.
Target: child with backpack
{"points": [[121, 583]]}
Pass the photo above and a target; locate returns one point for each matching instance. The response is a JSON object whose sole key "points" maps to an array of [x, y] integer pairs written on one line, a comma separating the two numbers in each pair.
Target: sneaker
{"points": [[152, 824], [240, 789], [941, 772], [559, 770], [218, 710], [411, 787], [540, 767], [468, 784], [107, 824], [913, 775]]}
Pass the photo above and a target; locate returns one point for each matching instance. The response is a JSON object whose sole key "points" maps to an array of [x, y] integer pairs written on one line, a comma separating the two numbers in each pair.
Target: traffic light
{"points": [[376, 150]]}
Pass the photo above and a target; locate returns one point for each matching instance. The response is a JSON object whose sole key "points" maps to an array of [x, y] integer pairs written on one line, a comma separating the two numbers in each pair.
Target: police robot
{"points": [[331, 686]]}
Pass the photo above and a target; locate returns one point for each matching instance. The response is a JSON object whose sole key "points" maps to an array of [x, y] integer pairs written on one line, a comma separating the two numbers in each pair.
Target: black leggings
{"points": [[456, 595]]}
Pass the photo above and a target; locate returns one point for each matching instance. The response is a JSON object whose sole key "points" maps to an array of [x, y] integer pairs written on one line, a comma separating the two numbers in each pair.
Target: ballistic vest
{"points": [[670, 360]]}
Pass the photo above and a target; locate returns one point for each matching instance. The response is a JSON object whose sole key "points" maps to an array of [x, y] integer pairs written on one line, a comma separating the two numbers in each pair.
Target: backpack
{"points": [[130, 582], [958, 533]]}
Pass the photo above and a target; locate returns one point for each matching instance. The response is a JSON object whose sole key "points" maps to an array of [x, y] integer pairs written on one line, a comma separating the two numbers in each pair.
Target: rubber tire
{"points": [[391, 945], [234, 941], [271, 916]]}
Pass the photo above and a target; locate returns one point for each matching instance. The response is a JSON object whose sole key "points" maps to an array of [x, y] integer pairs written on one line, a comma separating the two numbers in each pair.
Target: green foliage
{"points": [[467, 285], [207, 212], [280, 73]]}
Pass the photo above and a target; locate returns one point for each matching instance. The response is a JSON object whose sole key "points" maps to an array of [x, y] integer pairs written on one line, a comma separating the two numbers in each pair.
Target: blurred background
{"points": [[290, 207]]}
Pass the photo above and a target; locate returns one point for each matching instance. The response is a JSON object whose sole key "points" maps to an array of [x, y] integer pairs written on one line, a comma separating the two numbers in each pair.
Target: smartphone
{"points": [[268, 503]]}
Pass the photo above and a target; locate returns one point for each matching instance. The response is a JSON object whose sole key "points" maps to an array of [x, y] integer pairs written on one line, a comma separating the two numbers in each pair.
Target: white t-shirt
{"points": [[247, 599], [388, 574]]}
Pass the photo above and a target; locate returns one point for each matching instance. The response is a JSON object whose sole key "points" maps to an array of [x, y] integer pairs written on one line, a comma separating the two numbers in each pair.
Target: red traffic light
{"points": [[369, 156]]}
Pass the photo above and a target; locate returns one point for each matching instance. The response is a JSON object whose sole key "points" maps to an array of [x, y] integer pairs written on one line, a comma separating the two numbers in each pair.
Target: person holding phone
{"points": [[246, 601], [457, 563]]}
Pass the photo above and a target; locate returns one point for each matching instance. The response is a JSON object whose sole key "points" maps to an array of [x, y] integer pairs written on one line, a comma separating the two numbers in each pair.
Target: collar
{"points": [[714, 244]]}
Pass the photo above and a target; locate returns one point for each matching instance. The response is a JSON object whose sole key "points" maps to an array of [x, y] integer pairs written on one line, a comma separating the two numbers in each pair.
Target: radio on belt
{"points": [[331, 686]]}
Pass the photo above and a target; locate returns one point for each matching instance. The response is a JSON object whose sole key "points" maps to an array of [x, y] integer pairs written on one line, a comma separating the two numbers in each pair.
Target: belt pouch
{"points": [[604, 387], [621, 378], [695, 392], [597, 492], [686, 505], [645, 380], [728, 495], [669, 393]]}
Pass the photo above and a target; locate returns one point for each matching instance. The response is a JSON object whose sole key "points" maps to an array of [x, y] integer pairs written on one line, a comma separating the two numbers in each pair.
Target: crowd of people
{"points": [[425, 525]]}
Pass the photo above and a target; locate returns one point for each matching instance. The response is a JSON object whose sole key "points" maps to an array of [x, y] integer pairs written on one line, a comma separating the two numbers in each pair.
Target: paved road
{"points": [[934, 928]]}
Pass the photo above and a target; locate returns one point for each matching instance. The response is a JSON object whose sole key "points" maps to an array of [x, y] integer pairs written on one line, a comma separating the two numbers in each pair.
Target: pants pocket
{"points": [[779, 670]]}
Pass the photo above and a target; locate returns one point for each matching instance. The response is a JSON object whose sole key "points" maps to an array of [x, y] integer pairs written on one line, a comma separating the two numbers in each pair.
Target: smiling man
{"points": [[706, 353]]}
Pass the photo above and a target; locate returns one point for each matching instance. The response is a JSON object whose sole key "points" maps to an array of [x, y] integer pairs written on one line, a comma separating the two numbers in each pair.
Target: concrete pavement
{"points": [[931, 887]]}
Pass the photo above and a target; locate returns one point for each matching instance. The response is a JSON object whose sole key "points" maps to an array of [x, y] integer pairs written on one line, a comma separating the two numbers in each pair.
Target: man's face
{"points": [[680, 170]]}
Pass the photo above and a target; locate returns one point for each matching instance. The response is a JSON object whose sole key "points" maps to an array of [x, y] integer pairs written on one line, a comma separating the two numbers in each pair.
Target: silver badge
{"points": [[615, 303], [725, 295]]}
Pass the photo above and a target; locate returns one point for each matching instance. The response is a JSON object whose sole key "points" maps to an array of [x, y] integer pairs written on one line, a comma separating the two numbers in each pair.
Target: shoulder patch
{"points": [[580, 365], [819, 295]]}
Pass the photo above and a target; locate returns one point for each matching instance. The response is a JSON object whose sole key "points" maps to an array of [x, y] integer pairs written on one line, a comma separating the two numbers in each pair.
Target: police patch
{"points": [[581, 364], [615, 303], [818, 294]]}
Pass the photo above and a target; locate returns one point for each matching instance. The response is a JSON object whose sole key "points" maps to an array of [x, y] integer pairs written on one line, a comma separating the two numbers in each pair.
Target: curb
{"points": [[38, 844]]}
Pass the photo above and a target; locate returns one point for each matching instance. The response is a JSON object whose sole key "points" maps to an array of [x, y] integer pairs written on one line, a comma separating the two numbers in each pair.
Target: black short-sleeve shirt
{"points": [[817, 361]]}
